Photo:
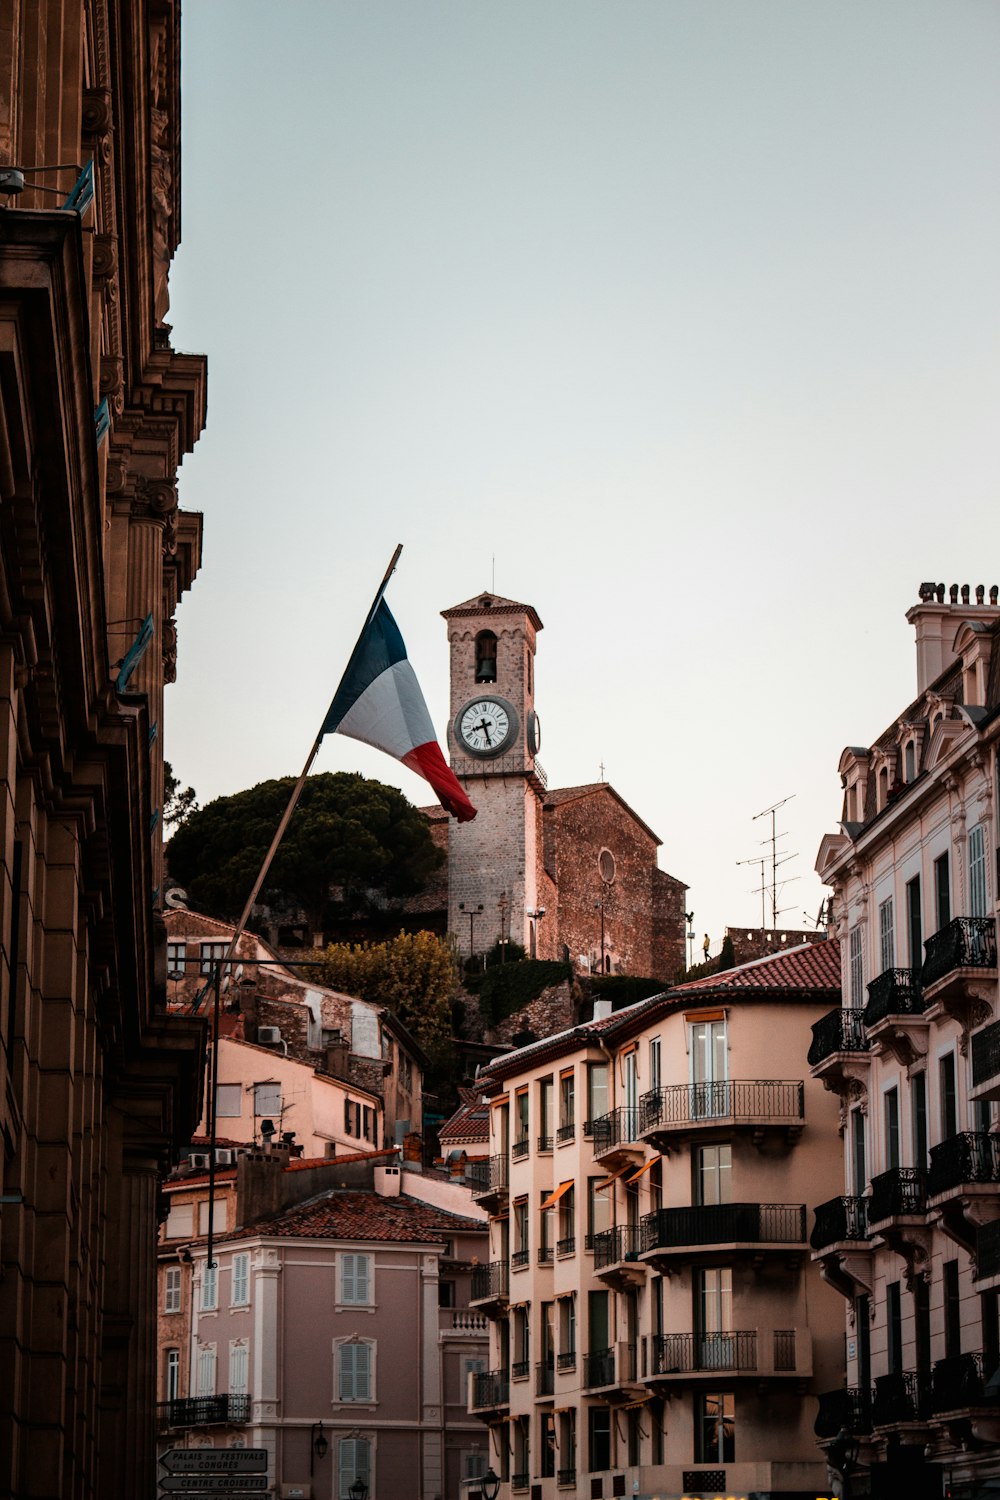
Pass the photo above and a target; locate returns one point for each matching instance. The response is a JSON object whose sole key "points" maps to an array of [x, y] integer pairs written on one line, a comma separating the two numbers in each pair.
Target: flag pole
{"points": [[286, 816]]}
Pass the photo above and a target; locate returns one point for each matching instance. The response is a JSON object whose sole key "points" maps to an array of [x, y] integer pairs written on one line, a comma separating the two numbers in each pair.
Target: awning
{"points": [[553, 1198], [643, 1170], [607, 1181]]}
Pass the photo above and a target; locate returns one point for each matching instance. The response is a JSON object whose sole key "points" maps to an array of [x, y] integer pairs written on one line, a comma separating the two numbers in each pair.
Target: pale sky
{"points": [[686, 313]]}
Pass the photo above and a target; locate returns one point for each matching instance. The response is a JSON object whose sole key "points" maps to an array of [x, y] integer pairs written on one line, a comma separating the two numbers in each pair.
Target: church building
{"points": [[568, 873]]}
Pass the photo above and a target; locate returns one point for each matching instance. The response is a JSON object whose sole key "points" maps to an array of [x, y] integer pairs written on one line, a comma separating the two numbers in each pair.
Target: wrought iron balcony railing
{"points": [[545, 1377], [986, 1054], [488, 1176], [204, 1411], [623, 1242], [566, 1477], [566, 1132], [723, 1224], [520, 1148], [620, 1127], [898, 1194], [544, 1255], [849, 1408], [682, 1353], [566, 1360], [960, 1381], [490, 1281], [900, 1398], [988, 1250], [840, 1219], [971, 1156], [519, 1259], [838, 1031], [520, 1480], [520, 1369], [599, 1369], [896, 992], [545, 1143], [490, 1390], [566, 1246], [730, 1100], [966, 943]]}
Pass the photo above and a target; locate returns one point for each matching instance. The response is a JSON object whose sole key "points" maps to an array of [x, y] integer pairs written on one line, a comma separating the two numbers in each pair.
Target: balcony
{"points": [[894, 1017], [840, 1221], [490, 1287], [900, 1194], [697, 1358], [616, 1137], [719, 1230], [566, 1132], [616, 1254], [849, 1409], [204, 1411], [489, 1181], [520, 1148], [490, 1391], [612, 1372], [988, 1254], [839, 1032], [956, 959], [566, 1360], [566, 1246], [972, 1157], [900, 1399], [520, 1259], [545, 1377], [986, 1062], [959, 1383], [462, 1322], [666, 1115]]}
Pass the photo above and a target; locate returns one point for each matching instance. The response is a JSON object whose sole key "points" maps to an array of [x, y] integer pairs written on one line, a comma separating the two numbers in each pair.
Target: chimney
{"points": [[937, 623], [387, 1181], [602, 1009]]}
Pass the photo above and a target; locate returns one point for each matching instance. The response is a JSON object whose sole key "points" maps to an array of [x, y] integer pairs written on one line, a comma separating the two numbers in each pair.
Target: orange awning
{"points": [[607, 1181], [553, 1198], [643, 1170]]}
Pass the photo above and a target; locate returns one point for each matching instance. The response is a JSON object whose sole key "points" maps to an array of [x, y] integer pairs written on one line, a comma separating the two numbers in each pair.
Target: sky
{"points": [[677, 319]]}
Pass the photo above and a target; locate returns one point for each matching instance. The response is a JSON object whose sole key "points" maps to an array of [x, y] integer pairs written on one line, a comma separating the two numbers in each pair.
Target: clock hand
{"points": [[484, 726]]}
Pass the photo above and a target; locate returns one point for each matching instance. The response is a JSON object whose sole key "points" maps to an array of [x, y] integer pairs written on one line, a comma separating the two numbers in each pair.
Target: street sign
{"points": [[216, 1461], [213, 1484]]}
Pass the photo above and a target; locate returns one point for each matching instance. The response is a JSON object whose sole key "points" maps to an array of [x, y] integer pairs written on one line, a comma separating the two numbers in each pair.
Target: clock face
{"points": [[486, 726], [534, 733]]}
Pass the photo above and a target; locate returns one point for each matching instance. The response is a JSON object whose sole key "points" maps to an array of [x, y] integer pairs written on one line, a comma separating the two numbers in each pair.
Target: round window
{"points": [[606, 865]]}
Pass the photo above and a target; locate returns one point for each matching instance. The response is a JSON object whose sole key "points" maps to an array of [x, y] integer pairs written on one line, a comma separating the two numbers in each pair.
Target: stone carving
{"points": [[96, 118], [170, 651], [161, 162]]}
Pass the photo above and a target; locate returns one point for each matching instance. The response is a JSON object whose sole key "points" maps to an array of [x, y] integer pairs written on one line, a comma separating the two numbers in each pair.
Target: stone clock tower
{"points": [[495, 862]]}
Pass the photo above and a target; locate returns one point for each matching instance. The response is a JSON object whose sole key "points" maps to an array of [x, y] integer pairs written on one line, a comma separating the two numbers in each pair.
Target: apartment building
{"points": [[656, 1322], [912, 1241]]}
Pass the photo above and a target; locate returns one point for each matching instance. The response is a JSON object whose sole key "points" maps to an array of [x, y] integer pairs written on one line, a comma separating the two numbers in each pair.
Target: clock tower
{"points": [[495, 861]]}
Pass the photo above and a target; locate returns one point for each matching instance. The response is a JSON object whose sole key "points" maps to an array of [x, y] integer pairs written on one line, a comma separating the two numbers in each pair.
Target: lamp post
{"points": [[489, 1483], [318, 1446], [472, 914], [843, 1455]]}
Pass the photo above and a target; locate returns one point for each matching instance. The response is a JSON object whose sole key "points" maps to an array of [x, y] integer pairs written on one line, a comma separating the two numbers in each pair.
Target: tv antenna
{"points": [[778, 858]]}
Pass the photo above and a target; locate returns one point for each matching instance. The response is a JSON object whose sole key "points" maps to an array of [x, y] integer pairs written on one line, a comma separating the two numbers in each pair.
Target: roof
{"points": [[810, 966], [566, 794], [471, 1120], [496, 604], [347, 1215]]}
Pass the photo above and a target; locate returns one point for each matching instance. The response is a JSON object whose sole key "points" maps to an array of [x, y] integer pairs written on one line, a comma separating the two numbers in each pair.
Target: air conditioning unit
{"points": [[200, 1159], [269, 1036], [224, 1157]]}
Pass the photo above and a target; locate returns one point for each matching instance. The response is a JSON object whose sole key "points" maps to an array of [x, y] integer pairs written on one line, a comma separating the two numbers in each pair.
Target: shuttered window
{"points": [[977, 873], [355, 1373], [205, 1377], [354, 1456], [886, 936], [355, 1278], [241, 1280], [239, 1368], [210, 1288], [857, 969], [172, 1290]]}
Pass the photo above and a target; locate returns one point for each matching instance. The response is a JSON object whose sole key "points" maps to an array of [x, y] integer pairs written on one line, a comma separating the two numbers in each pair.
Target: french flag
{"points": [[379, 701]]}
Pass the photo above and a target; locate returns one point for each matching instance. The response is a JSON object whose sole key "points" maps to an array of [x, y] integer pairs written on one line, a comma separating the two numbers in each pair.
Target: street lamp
{"points": [[318, 1445], [472, 914], [358, 1490], [843, 1455], [489, 1483]]}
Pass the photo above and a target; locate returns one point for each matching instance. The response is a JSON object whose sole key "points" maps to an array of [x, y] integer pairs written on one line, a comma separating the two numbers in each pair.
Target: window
{"points": [[522, 1338], [486, 656], [713, 1175], [891, 1117], [894, 1327], [241, 1279], [521, 1116], [910, 758], [567, 1326], [856, 970], [914, 922], [922, 1324], [205, 1370], [220, 1217], [654, 1063], [567, 1441], [546, 1239], [229, 1101], [886, 936], [239, 1367], [354, 1371], [172, 1375], [547, 1434], [354, 1462], [599, 1418], [990, 1324], [597, 1090], [918, 1113], [473, 1463], [942, 892], [267, 1098], [355, 1280], [522, 1453], [180, 1222], [714, 1436], [172, 1290], [567, 1212], [545, 1123], [712, 1293], [949, 1102], [521, 1246], [446, 1294], [210, 1287], [977, 872], [598, 1331], [211, 954], [859, 1157], [952, 1311], [599, 1207], [176, 953]]}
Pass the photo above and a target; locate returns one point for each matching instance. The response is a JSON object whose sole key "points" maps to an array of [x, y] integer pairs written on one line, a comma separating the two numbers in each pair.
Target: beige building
{"points": [[911, 1241], [657, 1325], [98, 1084]]}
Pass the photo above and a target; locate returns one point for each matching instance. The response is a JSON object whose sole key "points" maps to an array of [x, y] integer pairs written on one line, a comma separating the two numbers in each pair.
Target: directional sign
{"points": [[216, 1461], [213, 1484]]}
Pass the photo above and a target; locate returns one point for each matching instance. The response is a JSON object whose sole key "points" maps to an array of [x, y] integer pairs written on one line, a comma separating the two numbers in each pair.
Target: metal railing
{"points": [[566, 1360], [966, 943], [545, 1143], [488, 1176], [900, 1398], [545, 1377], [784, 1349], [849, 1408], [618, 1127], [566, 1477], [986, 1054], [566, 1246], [520, 1369], [898, 1194], [960, 1381], [519, 1258], [838, 1031], [566, 1132], [725, 1223], [684, 1353], [896, 992], [970, 1156], [623, 1242], [726, 1101], [988, 1250], [839, 1219], [520, 1481], [598, 1369], [489, 1281], [544, 1255], [490, 1389], [520, 1148], [204, 1411]]}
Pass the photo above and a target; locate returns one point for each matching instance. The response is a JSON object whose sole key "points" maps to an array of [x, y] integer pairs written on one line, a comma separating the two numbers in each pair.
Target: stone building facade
{"points": [[97, 1081], [912, 1239]]}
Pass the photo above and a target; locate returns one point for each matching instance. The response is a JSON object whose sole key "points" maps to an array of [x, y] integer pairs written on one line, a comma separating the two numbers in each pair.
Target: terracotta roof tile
{"points": [[341, 1215], [809, 967]]}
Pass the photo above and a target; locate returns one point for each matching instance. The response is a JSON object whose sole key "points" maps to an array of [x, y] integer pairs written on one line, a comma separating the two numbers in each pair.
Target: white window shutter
{"points": [[347, 1279], [206, 1370], [347, 1372], [361, 1278], [238, 1369], [362, 1372]]}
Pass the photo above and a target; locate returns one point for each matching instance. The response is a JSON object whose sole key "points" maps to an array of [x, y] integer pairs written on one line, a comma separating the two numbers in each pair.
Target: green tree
{"points": [[414, 974], [351, 841], [177, 805]]}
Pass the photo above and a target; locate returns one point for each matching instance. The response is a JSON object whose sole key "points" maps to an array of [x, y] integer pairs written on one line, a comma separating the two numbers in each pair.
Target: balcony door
{"points": [[709, 1069], [713, 1175], [631, 1097], [713, 1311]]}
